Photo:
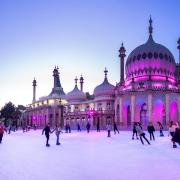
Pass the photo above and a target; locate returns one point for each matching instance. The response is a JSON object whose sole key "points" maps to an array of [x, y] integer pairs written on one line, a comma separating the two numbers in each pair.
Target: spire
{"points": [[122, 51], [81, 82], [57, 88], [76, 79], [105, 73], [34, 82], [179, 48], [150, 26]]}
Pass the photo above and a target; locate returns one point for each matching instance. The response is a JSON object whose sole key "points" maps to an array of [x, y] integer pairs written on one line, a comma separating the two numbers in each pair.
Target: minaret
{"points": [[57, 88], [179, 48], [122, 55], [34, 89], [81, 83], [76, 79]]}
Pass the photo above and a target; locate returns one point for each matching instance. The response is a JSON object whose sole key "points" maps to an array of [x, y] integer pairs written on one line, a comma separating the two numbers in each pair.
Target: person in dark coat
{"points": [[68, 128], [88, 126], [47, 133], [78, 127], [151, 130], [98, 126], [141, 133], [115, 128], [2, 129], [134, 131], [160, 128], [176, 138]]}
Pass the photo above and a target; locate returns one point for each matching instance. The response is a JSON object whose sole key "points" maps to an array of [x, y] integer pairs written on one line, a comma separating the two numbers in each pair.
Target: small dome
{"points": [[105, 88], [75, 95]]}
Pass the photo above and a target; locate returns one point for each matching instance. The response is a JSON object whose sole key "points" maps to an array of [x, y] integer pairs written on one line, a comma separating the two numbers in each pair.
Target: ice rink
{"points": [[82, 156]]}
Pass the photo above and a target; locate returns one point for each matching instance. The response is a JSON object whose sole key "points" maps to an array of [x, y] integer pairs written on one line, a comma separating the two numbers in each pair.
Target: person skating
{"points": [[57, 132], [68, 128], [88, 126], [47, 133], [141, 133], [176, 138], [160, 128], [172, 128], [134, 131], [115, 128], [2, 129], [109, 129], [151, 130], [98, 126], [78, 127]]}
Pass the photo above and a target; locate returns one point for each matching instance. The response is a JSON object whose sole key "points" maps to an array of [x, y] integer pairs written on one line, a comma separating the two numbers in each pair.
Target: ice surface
{"points": [[82, 156]]}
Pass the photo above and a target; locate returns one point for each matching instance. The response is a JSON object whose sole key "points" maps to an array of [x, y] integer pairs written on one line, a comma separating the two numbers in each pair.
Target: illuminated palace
{"points": [[148, 91]]}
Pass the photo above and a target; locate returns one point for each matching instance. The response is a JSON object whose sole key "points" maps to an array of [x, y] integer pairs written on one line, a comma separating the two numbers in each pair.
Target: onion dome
{"points": [[104, 89], [150, 58], [75, 95]]}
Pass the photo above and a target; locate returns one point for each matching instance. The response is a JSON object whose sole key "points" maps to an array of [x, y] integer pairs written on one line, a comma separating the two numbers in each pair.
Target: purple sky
{"points": [[81, 37]]}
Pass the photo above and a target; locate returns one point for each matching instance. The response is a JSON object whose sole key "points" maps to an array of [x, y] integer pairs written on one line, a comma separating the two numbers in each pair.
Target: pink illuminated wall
{"points": [[126, 103], [158, 108], [173, 116], [140, 100]]}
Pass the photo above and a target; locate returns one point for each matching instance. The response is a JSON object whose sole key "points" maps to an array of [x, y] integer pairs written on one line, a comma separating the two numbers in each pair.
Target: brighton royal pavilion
{"points": [[148, 91]]}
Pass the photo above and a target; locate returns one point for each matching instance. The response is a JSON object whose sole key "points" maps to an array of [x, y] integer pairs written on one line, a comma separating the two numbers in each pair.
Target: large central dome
{"points": [[150, 59]]}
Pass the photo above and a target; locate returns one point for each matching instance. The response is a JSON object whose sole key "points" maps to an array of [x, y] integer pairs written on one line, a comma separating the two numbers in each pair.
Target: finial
{"points": [[76, 79], [105, 72], [150, 26]]}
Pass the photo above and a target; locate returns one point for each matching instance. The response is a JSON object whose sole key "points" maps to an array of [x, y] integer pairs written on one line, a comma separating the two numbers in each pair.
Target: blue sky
{"points": [[81, 37]]}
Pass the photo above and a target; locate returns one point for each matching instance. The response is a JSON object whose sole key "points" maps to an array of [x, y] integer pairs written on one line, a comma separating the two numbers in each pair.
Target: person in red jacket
{"points": [[2, 129]]}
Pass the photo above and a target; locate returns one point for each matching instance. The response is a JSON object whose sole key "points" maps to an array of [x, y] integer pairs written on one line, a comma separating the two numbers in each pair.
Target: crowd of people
{"points": [[137, 131]]}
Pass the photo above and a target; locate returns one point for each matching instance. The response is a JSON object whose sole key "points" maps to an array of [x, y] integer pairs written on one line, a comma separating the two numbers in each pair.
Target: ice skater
{"points": [[57, 132], [172, 128], [134, 131], [151, 130], [109, 128], [160, 128], [115, 128], [176, 138], [78, 127], [141, 133], [2, 129], [68, 128], [47, 133], [88, 126], [98, 126]]}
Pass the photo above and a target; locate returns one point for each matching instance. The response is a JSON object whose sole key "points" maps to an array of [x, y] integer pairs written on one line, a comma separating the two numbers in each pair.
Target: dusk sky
{"points": [[79, 36]]}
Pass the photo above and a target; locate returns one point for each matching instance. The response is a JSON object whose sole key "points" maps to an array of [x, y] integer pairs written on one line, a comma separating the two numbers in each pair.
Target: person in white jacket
{"points": [[57, 132], [109, 128]]}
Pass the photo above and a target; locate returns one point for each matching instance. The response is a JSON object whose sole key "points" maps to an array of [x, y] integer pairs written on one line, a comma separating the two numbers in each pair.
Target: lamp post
{"points": [[61, 113]]}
